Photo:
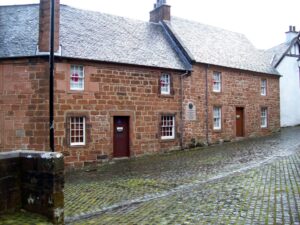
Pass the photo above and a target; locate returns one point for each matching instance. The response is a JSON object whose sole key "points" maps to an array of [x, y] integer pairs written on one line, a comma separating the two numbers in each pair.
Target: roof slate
{"points": [[216, 46], [89, 35], [98, 36], [274, 54]]}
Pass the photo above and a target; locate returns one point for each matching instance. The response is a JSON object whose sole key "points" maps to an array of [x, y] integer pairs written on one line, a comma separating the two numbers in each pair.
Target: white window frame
{"points": [[264, 117], [76, 122], [217, 116], [165, 124], [263, 87], [165, 84], [217, 82], [76, 72]]}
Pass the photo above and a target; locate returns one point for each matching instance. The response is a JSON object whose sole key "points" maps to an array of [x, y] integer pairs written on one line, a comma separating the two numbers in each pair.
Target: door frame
{"points": [[243, 125], [131, 116]]}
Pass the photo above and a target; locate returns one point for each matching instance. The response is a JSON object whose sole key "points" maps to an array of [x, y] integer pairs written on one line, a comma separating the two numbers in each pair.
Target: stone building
{"points": [[125, 87]]}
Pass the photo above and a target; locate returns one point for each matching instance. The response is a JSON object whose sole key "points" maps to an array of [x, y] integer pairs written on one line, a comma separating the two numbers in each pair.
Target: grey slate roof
{"points": [[274, 54], [18, 30], [216, 46], [89, 35]]}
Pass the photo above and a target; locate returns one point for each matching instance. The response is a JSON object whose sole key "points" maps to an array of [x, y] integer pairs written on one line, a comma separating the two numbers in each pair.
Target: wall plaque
{"points": [[190, 112]]}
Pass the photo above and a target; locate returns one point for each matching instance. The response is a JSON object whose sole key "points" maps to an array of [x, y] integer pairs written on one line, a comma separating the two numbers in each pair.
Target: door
{"points": [[239, 122], [121, 136]]}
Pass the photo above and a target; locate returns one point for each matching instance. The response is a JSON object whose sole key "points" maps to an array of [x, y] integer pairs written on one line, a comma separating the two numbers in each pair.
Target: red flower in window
{"points": [[75, 77], [162, 83]]}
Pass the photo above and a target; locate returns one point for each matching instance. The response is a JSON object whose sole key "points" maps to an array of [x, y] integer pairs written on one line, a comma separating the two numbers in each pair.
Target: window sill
{"points": [[75, 91], [165, 96], [217, 130], [167, 140], [77, 146]]}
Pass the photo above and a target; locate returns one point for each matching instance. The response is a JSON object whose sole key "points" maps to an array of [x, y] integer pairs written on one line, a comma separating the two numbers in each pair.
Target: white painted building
{"points": [[286, 59]]}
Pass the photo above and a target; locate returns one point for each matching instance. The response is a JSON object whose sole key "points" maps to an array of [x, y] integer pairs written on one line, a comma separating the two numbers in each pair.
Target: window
{"points": [[165, 84], [77, 131], [264, 117], [77, 78], [263, 88], [217, 82], [217, 118], [167, 128]]}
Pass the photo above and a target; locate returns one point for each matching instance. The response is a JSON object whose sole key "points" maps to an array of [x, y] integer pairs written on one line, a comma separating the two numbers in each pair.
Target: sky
{"points": [[264, 22]]}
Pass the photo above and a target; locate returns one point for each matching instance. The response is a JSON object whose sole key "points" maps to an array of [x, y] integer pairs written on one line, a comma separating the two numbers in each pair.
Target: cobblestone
{"points": [[268, 194], [234, 183]]}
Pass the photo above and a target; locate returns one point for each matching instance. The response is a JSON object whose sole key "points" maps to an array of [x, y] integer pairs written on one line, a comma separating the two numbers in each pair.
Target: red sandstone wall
{"points": [[118, 90], [24, 105], [112, 90], [239, 89]]}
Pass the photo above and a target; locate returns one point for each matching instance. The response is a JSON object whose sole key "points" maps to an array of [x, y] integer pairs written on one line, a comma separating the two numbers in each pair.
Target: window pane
{"points": [[217, 117], [77, 130], [165, 84], [167, 127], [263, 87], [217, 82], [77, 78], [264, 117]]}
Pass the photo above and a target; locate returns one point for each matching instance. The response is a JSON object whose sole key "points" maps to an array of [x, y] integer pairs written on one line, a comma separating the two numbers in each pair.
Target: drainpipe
{"points": [[206, 103], [181, 113], [51, 88]]}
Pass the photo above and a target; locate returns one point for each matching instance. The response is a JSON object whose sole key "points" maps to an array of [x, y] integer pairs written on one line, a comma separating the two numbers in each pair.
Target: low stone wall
{"points": [[33, 181]]}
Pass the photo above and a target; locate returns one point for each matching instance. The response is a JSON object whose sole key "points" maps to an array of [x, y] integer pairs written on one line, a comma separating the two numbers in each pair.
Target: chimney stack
{"points": [[161, 12], [291, 34], [44, 26]]}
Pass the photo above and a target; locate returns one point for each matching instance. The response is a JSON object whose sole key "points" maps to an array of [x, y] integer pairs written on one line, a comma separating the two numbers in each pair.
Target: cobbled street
{"points": [[254, 181]]}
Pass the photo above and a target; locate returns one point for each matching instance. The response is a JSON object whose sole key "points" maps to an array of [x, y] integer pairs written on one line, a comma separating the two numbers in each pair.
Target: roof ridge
{"points": [[208, 25], [104, 13]]}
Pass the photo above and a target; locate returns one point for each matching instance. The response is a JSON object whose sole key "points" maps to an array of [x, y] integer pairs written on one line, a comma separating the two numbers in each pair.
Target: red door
{"points": [[121, 136], [239, 122]]}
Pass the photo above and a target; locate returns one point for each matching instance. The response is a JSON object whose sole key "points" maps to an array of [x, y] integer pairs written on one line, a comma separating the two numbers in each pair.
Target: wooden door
{"points": [[121, 136], [239, 122]]}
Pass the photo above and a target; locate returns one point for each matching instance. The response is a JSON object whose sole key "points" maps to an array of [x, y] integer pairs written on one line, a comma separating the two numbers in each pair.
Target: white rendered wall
{"points": [[289, 92]]}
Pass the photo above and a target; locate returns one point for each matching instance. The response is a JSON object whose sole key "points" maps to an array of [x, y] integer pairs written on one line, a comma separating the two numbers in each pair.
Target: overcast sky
{"points": [[264, 22]]}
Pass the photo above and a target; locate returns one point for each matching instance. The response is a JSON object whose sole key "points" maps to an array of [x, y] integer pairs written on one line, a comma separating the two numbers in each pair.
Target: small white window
{"points": [[263, 89], [77, 131], [217, 118], [77, 78], [167, 128], [217, 82], [264, 117], [165, 84]]}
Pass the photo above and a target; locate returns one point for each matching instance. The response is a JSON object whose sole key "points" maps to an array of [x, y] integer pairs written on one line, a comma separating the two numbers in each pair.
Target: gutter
{"points": [[206, 104], [187, 73], [51, 83]]}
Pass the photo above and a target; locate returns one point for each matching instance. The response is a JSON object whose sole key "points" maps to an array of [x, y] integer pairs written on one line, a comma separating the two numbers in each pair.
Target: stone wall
{"points": [[238, 89], [33, 181], [114, 90], [24, 104], [122, 90]]}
